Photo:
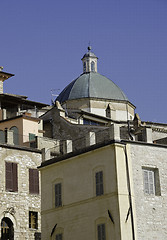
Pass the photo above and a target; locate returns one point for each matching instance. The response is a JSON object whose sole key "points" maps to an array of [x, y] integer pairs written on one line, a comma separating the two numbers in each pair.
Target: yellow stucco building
{"points": [[108, 181], [94, 195]]}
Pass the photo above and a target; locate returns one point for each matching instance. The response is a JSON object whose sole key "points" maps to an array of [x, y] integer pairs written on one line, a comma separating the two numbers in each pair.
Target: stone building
{"points": [[21, 140], [108, 181]]}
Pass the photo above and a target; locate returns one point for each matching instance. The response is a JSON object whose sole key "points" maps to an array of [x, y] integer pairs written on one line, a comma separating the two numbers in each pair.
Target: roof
{"points": [[35, 119], [92, 85], [94, 147], [89, 54], [15, 99], [6, 74]]}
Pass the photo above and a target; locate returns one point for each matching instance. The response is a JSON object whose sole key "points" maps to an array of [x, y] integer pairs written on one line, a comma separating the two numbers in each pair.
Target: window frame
{"points": [[99, 183], [101, 231], [58, 194], [30, 220], [151, 181]]}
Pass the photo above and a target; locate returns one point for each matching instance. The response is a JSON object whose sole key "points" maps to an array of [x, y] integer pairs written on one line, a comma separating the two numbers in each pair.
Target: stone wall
{"points": [[151, 210], [16, 205]]}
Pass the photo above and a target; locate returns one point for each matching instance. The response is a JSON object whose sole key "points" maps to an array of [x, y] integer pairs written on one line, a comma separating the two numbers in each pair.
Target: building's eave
{"points": [[21, 99], [21, 116], [94, 147], [7, 74], [27, 149]]}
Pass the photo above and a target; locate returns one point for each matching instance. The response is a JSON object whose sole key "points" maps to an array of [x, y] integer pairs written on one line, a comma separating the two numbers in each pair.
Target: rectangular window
{"points": [[99, 183], [11, 177], [101, 232], [59, 236], [151, 181], [33, 181], [58, 195], [31, 137], [33, 220]]}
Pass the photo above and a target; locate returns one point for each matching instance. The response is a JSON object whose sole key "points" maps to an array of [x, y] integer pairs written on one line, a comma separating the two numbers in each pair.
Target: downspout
{"points": [[129, 192]]}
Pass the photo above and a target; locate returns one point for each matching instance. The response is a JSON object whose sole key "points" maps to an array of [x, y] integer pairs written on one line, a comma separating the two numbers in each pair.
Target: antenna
{"points": [[54, 95]]}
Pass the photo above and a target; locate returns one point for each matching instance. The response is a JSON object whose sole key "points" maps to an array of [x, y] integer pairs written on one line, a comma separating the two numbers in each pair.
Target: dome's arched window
{"points": [[108, 111], [84, 67], [93, 66]]}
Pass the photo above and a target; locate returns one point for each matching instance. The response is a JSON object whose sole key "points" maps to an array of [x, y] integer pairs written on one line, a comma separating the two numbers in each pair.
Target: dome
{"points": [[92, 85]]}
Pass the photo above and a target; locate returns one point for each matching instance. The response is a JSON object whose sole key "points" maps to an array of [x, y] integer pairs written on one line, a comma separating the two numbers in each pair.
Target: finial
{"points": [[89, 48]]}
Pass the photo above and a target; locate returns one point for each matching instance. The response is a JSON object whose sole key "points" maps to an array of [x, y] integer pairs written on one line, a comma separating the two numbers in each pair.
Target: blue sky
{"points": [[42, 43]]}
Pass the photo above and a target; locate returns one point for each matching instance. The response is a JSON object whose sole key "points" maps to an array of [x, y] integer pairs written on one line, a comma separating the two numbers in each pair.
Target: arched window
{"points": [[7, 230], [84, 67], [108, 111], [93, 66], [15, 135]]}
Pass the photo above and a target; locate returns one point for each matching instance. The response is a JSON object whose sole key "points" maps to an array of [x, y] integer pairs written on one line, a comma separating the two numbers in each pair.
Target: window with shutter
{"points": [[15, 135], [101, 232], [11, 177], [2, 136], [58, 195], [149, 181], [33, 181], [99, 183]]}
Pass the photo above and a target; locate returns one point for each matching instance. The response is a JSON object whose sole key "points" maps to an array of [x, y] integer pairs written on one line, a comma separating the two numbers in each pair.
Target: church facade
{"points": [[107, 177]]}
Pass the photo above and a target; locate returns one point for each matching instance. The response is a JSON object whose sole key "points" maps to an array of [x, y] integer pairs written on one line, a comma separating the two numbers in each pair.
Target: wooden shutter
{"points": [[11, 177], [2, 136], [9, 182], [146, 184], [33, 181], [15, 179], [58, 201], [149, 182], [99, 183]]}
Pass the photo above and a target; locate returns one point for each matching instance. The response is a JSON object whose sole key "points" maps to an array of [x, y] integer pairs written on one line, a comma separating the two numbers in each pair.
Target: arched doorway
{"points": [[15, 135], [7, 230]]}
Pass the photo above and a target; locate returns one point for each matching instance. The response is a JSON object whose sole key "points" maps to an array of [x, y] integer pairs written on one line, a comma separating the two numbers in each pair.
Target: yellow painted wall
{"points": [[82, 210]]}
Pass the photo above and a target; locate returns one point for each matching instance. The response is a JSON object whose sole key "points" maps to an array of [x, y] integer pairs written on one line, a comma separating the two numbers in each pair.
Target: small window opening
{"points": [[33, 220], [99, 183], [93, 66], [108, 111]]}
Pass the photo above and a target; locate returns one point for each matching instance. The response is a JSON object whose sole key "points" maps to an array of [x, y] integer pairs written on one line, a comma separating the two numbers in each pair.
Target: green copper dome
{"points": [[92, 85]]}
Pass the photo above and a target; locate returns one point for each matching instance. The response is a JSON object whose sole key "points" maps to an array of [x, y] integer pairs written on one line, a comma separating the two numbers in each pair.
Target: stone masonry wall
{"points": [[16, 205], [151, 210]]}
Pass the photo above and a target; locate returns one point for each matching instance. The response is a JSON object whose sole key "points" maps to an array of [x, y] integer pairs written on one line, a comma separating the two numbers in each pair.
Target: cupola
{"points": [[89, 61]]}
